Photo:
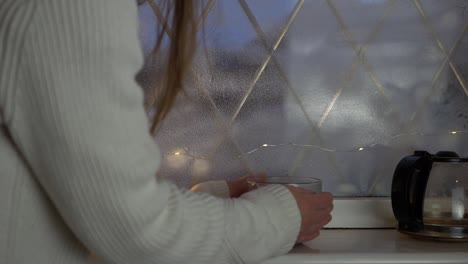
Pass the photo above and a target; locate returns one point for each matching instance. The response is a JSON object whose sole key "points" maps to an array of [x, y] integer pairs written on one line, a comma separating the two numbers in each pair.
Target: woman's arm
{"points": [[80, 124]]}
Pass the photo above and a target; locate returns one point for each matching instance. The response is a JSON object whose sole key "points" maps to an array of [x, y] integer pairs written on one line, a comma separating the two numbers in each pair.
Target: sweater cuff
{"points": [[261, 224], [290, 217], [215, 188]]}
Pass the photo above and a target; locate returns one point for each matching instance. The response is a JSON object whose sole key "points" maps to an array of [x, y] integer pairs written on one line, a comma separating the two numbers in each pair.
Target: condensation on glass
{"points": [[339, 90]]}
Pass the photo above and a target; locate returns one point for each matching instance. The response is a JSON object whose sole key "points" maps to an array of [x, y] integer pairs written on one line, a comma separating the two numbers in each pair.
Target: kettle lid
{"points": [[448, 156]]}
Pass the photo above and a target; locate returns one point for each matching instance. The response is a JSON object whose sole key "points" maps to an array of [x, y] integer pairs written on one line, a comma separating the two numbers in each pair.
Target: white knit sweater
{"points": [[78, 166]]}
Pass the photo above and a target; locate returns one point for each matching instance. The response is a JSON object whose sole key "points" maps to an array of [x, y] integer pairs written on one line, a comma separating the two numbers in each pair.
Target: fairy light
{"points": [[174, 160], [367, 147]]}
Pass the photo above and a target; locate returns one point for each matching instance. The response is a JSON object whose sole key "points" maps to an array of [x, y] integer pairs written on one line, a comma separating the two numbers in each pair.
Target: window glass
{"points": [[339, 90]]}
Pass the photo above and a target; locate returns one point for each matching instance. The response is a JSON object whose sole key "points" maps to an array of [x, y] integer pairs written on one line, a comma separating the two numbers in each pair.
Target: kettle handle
{"points": [[408, 190]]}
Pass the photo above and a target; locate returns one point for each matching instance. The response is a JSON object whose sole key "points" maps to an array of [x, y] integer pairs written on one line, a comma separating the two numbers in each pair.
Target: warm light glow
{"points": [[360, 149], [200, 168], [265, 145], [177, 159], [453, 132]]}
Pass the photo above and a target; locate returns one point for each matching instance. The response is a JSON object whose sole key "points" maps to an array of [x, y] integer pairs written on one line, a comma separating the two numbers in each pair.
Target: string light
{"points": [[355, 149], [184, 155]]}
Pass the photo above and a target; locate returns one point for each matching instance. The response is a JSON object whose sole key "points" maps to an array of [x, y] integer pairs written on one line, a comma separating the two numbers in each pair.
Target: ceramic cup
{"points": [[306, 183]]}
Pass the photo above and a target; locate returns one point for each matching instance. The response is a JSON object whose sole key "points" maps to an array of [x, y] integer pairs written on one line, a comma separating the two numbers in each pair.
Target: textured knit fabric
{"points": [[78, 166]]}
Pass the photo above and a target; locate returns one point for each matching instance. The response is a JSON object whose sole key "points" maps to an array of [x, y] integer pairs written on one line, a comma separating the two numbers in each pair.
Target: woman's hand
{"points": [[315, 211], [241, 186]]}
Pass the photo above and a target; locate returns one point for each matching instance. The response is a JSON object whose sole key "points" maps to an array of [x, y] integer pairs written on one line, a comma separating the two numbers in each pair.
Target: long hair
{"points": [[179, 21]]}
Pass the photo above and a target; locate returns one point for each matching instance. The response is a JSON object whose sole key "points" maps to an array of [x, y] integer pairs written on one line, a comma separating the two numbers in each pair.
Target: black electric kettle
{"points": [[430, 196]]}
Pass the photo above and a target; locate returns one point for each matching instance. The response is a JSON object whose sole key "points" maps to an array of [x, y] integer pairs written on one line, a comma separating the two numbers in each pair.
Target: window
{"points": [[340, 90]]}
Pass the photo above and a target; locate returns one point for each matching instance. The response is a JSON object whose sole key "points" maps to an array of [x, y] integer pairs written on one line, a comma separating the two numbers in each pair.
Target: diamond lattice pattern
{"points": [[336, 89]]}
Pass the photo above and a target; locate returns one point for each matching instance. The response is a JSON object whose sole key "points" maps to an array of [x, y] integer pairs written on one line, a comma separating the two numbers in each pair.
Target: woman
{"points": [[78, 165]]}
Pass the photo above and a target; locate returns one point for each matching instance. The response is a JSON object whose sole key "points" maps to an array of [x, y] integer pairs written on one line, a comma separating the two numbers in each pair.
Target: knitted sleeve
{"points": [[79, 122]]}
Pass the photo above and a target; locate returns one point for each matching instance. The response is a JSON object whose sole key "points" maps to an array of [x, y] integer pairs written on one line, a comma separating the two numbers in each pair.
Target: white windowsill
{"points": [[362, 212], [362, 231], [377, 246]]}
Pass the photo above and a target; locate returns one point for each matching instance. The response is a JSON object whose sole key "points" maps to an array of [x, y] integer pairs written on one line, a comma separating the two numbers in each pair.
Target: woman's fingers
{"points": [[240, 186], [315, 212], [308, 236]]}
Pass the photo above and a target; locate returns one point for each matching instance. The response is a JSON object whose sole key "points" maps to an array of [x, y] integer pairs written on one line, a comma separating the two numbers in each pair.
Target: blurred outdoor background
{"points": [[340, 90]]}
